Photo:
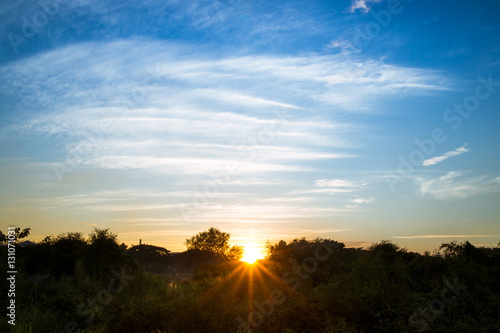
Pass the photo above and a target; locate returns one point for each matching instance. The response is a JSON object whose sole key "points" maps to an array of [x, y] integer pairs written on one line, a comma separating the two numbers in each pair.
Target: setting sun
{"points": [[252, 255]]}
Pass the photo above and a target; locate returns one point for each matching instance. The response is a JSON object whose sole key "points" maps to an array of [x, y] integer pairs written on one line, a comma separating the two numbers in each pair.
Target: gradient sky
{"points": [[352, 120]]}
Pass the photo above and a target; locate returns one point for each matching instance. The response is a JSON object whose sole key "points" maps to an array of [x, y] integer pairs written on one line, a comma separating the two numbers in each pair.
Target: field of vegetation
{"points": [[73, 283]]}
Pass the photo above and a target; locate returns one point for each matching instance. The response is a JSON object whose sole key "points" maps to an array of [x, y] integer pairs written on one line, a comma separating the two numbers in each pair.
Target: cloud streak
{"points": [[146, 107], [159, 115], [342, 183], [443, 236], [458, 185], [438, 159]]}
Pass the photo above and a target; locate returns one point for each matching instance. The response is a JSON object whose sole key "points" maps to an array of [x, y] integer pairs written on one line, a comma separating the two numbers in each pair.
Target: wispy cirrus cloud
{"points": [[150, 108], [345, 191], [338, 183], [343, 45], [167, 114], [458, 185], [323, 191], [437, 159], [332, 186]]}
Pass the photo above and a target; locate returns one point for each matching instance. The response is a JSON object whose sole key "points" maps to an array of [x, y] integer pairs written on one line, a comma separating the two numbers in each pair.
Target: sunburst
{"points": [[252, 254]]}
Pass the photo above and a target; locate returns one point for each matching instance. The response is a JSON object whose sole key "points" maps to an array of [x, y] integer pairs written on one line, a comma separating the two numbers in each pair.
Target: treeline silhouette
{"points": [[72, 283]]}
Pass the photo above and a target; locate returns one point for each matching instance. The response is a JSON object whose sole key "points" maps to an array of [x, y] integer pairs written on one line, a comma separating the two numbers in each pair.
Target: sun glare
{"points": [[251, 255]]}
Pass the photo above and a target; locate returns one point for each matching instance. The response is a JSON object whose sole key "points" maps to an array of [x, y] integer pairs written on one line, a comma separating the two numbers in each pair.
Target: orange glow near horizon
{"points": [[252, 254]]}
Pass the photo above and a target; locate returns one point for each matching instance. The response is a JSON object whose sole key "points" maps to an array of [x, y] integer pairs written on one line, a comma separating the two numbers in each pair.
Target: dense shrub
{"points": [[70, 279]]}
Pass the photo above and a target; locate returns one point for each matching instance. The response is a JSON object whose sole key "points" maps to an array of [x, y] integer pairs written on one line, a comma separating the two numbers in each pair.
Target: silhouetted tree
{"points": [[214, 241], [299, 248], [385, 246], [20, 234], [450, 249], [276, 251], [66, 249], [387, 250], [235, 252], [148, 254], [463, 250], [104, 253]]}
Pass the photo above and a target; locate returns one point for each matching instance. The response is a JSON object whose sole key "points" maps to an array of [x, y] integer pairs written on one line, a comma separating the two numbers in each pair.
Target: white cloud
{"points": [[145, 106], [240, 99], [458, 185], [338, 183], [437, 159], [254, 212], [332, 186], [250, 80], [363, 200], [189, 165], [324, 191], [341, 43], [335, 187], [362, 5], [157, 117]]}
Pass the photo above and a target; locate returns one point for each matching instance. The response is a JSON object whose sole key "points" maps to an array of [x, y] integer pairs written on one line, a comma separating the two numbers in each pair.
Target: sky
{"points": [[358, 121]]}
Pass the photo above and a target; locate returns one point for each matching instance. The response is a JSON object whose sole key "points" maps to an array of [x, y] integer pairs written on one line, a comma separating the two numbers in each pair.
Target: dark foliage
{"points": [[302, 286]]}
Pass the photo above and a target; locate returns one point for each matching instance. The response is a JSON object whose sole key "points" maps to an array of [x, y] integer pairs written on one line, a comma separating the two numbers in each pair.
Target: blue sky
{"points": [[352, 120]]}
